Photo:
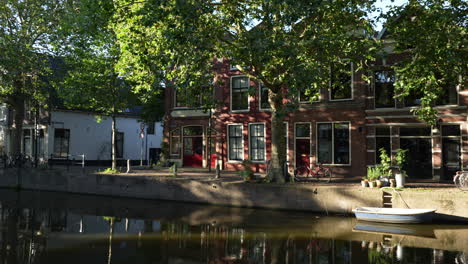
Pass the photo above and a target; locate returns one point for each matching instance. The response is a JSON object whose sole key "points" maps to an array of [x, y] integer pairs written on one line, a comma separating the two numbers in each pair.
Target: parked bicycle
{"points": [[304, 172], [461, 180]]}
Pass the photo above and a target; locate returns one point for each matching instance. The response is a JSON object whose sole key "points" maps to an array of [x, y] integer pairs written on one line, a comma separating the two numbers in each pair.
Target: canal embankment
{"points": [[333, 198]]}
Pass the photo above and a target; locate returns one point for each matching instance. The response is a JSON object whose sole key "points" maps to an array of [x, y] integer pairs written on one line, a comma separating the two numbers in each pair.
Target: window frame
{"points": [[230, 94], [151, 125], [352, 86], [333, 142], [374, 86], [173, 154], [264, 143], [229, 143], [117, 154], [376, 150], [260, 101], [309, 138], [68, 145]]}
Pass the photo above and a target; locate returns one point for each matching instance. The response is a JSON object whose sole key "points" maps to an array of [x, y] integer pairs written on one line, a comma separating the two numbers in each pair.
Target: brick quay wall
{"points": [[323, 198]]}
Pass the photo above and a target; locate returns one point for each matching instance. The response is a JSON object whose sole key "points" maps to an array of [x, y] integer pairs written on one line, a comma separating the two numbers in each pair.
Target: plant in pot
{"points": [[386, 166], [372, 176], [400, 161], [365, 179]]}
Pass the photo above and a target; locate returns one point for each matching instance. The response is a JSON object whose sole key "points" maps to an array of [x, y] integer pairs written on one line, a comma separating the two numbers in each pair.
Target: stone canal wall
{"points": [[304, 197]]}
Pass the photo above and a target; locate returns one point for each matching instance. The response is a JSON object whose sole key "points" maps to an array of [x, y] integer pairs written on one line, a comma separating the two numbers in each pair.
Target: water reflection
{"points": [[53, 228]]}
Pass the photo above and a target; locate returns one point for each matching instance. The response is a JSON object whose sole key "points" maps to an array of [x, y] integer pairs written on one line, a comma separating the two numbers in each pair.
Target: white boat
{"points": [[394, 215]]}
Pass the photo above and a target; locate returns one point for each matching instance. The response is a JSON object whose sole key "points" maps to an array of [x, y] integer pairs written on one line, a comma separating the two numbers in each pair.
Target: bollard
{"points": [[128, 166], [218, 171]]}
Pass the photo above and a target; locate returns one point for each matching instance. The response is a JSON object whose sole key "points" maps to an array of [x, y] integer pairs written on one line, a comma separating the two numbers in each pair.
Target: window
{"points": [[302, 130], [239, 93], [235, 145], [341, 81], [384, 89], [61, 142], [193, 131], [264, 104], [413, 98], [333, 143], [119, 144], [449, 95], [175, 142], [184, 99], [382, 140], [150, 128], [257, 142], [415, 131]]}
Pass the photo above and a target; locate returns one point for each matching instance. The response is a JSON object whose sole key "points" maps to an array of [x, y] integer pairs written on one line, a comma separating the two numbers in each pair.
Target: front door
{"points": [[193, 146], [302, 152], [451, 148], [193, 151]]}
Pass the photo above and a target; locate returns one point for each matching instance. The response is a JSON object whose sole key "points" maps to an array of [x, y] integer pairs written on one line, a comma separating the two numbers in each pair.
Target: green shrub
{"points": [[110, 171]]}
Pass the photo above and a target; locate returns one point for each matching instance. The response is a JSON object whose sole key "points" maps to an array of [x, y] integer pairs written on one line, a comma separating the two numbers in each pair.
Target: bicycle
{"points": [[303, 172], [461, 180]]}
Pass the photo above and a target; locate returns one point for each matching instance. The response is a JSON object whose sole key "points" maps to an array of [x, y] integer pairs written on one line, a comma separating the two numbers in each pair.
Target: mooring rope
{"points": [[407, 206]]}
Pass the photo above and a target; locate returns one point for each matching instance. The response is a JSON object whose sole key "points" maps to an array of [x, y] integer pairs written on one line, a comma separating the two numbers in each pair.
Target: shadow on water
{"points": [[46, 227]]}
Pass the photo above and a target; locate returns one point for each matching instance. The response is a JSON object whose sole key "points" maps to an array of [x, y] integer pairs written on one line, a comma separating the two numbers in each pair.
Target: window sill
{"points": [[234, 161], [240, 111], [336, 165], [341, 100]]}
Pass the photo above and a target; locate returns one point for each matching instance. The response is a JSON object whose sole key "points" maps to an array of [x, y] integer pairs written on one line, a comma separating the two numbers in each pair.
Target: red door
{"points": [[193, 151], [302, 152]]}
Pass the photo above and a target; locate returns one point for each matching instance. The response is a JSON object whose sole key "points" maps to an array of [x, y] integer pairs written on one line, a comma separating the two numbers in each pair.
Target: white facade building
{"points": [[70, 134]]}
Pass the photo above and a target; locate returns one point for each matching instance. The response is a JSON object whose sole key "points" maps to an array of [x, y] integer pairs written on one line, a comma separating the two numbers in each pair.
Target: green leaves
{"points": [[431, 36]]}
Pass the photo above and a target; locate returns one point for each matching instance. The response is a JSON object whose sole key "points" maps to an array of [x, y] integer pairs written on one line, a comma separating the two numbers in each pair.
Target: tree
{"points": [[431, 35], [90, 81], [288, 46], [28, 30]]}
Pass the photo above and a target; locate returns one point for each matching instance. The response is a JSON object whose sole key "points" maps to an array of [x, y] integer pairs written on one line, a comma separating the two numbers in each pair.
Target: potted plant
{"points": [[386, 166], [400, 161], [372, 176], [365, 181]]}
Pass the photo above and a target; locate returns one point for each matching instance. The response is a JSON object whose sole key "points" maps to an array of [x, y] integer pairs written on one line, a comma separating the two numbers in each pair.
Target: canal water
{"points": [[45, 227]]}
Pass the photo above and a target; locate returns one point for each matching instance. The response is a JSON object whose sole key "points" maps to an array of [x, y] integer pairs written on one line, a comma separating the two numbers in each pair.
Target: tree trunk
{"points": [[278, 142], [114, 145], [18, 107]]}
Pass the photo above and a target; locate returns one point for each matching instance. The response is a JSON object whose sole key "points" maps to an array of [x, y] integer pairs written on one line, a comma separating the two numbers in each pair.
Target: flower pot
{"points": [[371, 184], [364, 183], [378, 183], [392, 183], [400, 180]]}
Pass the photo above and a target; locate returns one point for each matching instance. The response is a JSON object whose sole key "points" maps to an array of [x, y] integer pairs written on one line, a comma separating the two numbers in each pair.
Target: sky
{"points": [[384, 5]]}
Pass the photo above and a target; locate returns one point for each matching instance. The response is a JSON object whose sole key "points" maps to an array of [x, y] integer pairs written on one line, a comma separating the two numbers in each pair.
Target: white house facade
{"points": [[69, 134]]}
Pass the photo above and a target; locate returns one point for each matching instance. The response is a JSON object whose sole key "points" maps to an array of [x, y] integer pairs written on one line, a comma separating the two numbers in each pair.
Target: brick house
{"points": [[343, 129]]}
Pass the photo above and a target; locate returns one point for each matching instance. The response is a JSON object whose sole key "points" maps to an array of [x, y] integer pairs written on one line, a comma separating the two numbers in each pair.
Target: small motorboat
{"points": [[394, 215]]}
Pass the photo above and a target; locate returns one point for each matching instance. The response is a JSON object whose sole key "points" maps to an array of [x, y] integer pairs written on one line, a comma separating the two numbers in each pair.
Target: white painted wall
{"points": [[93, 139]]}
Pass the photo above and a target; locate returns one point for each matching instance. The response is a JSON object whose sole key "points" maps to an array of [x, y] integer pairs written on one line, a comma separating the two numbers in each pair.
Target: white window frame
{"points": [[230, 94], [264, 145], [260, 87], [333, 143], [352, 87], [373, 84], [229, 143]]}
